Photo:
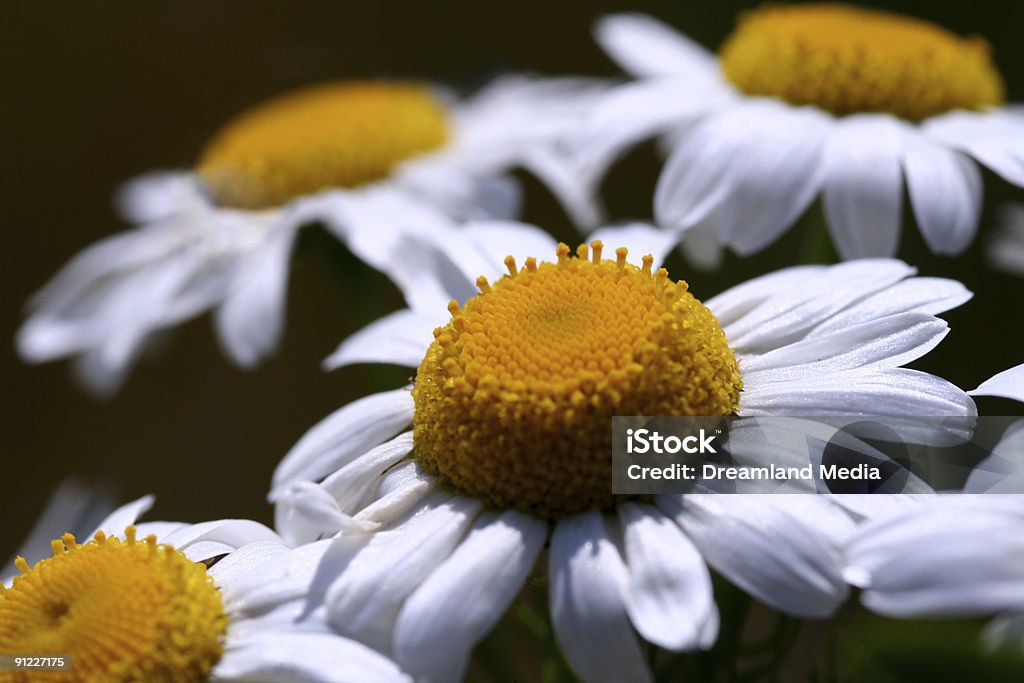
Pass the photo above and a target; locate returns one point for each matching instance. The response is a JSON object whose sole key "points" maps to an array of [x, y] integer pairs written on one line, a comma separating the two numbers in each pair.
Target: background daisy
{"points": [[803, 101], [367, 158]]}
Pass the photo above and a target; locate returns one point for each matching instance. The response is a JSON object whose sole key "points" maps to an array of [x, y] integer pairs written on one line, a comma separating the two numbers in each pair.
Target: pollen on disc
{"points": [[514, 399], [343, 134], [848, 60], [133, 611]]}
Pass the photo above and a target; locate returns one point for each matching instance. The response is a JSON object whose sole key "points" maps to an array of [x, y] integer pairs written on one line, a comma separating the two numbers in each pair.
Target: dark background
{"points": [[95, 93]]}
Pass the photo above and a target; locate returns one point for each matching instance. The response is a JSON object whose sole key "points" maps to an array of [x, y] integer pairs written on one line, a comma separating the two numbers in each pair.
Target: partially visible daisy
{"points": [[369, 159], [953, 556], [154, 602], [1003, 470], [503, 446], [1006, 249], [802, 101]]}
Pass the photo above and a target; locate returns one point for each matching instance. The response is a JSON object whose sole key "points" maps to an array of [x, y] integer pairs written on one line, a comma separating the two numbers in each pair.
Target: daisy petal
{"points": [[930, 295], [864, 186], [366, 598], [993, 138], [644, 46], [757, 165], [668, 597], [124, 516], [343, 435], [466, 594], [588, 612], [401, 338], [886, 343], [945, 191], [250, 320], [284, 656], [766, 551], [1008, 384]]}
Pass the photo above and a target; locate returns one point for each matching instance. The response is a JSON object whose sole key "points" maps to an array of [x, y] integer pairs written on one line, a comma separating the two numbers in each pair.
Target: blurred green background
{"points": [[95, 93]]}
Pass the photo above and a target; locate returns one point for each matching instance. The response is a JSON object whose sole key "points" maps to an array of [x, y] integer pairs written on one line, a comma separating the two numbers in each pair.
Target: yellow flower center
{"points": [[845, 60], [515, 396], [124, 611], [332, 135]]}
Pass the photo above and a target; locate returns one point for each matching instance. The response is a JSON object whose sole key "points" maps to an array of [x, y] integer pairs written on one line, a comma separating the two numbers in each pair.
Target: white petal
{"points": [[233, 533], [574, 185], [702, 247], [311, 657], [404, 486], [788, 315], [588, 612], [350, 484], [992, 137], [365, 600], [919, 294], [736, 302], [1008, 384], [644, 46], [639, 238], [625, 117], [343, 435], [668, 595], [306, 512], [497, 239], [886, 343], [466, 595], [159, 195], [945, 191], [756, 166], [124, 516], [943, 560], [895, 397], [766, 551], [246, 560], [401, 338], [864, 186], [250, 320]]}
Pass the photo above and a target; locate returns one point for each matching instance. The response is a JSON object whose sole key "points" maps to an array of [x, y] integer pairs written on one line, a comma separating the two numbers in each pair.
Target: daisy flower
{"points": [[156, 602], [503, 447], [366, 158], [802, 101]]}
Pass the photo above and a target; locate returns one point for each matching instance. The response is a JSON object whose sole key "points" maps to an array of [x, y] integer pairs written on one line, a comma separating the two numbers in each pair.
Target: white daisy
{"points": [[503, 445], [366, 158], [1006, 249], [955, 555], [158, 601], [801, 101]]}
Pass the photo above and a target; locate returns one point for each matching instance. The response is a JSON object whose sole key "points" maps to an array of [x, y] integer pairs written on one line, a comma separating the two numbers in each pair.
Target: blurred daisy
{"points": [[154, 602], [1006, 250], [502, 447], [367, 158], [808, 100]]}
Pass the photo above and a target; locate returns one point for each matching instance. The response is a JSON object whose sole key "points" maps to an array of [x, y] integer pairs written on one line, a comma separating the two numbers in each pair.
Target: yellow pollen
{"points": [[845, 60], [342, 134], [515, 396], [125, 611]]}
